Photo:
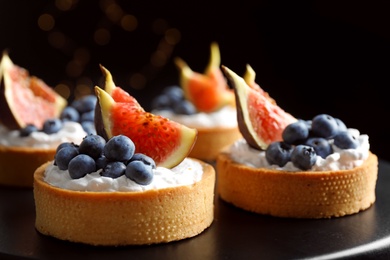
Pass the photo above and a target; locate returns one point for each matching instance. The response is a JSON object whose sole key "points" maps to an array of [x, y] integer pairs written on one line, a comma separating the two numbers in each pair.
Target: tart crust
{"points": [[124, 218], [211, 141], [297, 194], [18, 164]]}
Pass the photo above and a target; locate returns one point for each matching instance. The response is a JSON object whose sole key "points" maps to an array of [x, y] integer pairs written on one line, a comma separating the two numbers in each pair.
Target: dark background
{"points": [[312, 57]]}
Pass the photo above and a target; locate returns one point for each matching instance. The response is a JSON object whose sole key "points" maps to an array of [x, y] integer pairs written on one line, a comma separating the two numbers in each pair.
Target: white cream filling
{"points": [[187, 172], [70, 132], [242, 153], [225, 117]]}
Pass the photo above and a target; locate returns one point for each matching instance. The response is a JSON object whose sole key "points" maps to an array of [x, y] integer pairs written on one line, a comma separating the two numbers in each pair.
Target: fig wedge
{"points": [[24, 98], [166, 141], [208, 91], [260, 120]]}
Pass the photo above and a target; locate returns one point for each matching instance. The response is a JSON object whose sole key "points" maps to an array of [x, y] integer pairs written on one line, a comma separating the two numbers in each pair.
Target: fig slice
{"points": [[24, 98], [208, 91], [166, 141], [260, 120]]}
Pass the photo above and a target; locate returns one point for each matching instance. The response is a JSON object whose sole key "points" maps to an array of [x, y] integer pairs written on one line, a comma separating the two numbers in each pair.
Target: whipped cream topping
{"points": [[224, 117], [186, 173], [70, 132], [242, 153]]}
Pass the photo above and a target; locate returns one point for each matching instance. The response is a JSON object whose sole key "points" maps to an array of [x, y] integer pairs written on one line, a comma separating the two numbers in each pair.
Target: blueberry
{"points": [[77, 104], [144, 158], [27, 130], [324, 125], [92, 145], [345, 140], [89, 127], [70, 114], [320, 145], [85, 104], [303, 157], [88, 116], [169, 98], [66, 144], [161, 102], [139, 172], [52, 126], [114, 170], [119, 148], [64, 155], [101, 162], [340, 125], [81, 165], [307, 122], [278, 153], [175, 93], [295, 133], [184, 107]]}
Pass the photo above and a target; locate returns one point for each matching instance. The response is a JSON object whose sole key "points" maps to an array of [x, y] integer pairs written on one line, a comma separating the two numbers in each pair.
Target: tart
{"points": [[289, 167], [302, 194], [28, 104], [206, 103], [131, 184], [124, 218]]}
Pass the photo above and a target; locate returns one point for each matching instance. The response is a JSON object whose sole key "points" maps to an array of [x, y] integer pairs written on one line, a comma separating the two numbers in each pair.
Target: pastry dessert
{"points": [[203, 101], [314, 168], [30, 127], [124, 189], [116, 218]]}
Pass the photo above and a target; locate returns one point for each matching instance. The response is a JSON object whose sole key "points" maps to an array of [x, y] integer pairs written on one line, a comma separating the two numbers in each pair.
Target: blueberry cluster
{"points": [[50, 126], [81, 110], [116, 157], [172, 98], [304, 140]]}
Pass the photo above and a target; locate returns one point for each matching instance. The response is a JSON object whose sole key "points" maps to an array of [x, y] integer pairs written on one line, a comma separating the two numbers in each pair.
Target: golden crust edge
{"points": [[297, 194]]}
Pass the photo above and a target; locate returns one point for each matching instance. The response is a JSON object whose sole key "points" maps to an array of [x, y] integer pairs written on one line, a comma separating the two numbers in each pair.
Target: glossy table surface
{"points": [[234, 234]]}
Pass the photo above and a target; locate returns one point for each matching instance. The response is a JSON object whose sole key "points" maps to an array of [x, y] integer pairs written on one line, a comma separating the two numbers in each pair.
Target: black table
{"points": [[234, 234]]}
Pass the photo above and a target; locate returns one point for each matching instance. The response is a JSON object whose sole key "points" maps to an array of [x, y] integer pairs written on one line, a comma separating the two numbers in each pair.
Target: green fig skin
{"points": [[109, 86], [99, 122]]}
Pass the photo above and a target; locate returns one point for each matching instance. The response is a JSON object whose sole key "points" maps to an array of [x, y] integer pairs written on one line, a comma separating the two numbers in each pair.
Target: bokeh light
{"points": [[137, 81], [57, 40], [113, 17], [102, 36], [65, 5], [129, 22], [63, 90], [46, 22]]}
